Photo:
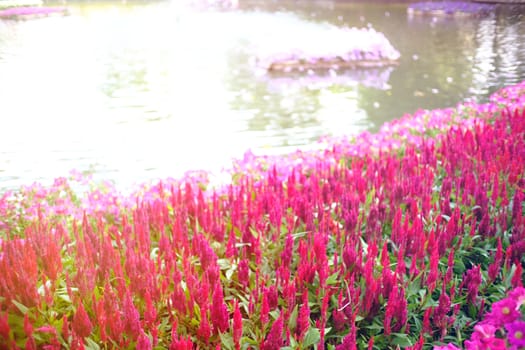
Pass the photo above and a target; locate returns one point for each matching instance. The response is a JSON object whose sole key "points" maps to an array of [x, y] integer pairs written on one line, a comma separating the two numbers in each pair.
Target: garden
{"points": [[412, 237]]}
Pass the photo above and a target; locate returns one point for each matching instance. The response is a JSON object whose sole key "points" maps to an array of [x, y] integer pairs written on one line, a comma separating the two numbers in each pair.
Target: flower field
{"points": [[413, 237]]}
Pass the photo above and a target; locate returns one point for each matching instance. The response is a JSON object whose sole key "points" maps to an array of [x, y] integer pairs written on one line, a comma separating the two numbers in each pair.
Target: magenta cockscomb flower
{"points": [[516, 334], [237, 326], [143, 342], [274, 340], [81, 323], [303, 321], [494, 268], [219, 311], [473, 281]]}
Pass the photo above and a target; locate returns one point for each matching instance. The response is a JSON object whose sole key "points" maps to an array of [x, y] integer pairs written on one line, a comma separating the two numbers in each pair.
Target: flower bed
{"points": [[403, 238], [449, 9]]}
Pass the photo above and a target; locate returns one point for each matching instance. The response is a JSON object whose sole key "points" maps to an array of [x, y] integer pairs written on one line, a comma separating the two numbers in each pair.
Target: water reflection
{"points": [[500, 51], [139, 91]]}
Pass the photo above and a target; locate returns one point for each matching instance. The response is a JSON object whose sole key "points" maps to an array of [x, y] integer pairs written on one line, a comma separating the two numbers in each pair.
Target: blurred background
{"points": [[135, 91]]}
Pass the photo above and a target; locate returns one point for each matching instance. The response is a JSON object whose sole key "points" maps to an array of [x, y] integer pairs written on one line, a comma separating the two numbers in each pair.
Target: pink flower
{"points": [[518, 294], [483, 339], [503, 312], [516, 333], [483, 331], [485, 344]]}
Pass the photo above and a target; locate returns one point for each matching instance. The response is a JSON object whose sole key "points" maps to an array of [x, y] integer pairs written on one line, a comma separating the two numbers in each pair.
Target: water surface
{"points": [[138, 91]]}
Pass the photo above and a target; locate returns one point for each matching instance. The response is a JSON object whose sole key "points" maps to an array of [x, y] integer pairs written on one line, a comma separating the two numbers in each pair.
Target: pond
{"points": [[139, 91]]}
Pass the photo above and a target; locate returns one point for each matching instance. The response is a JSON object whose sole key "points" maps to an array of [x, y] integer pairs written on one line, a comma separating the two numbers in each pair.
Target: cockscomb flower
{"points": [[132, 317], [516, 278], [244, 272], [273, 296], [144, 342], [237, 326], [494, 268], [81, 323], [204, 331], [440, 316], [219, 311], [472, 282], [303, 321], [274, 340], [181, 343], [265, 309]]}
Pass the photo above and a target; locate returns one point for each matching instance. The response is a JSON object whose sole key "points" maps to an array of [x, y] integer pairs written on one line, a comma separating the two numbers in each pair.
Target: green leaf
{"points": [[401, 339], [299, 235], [293, 342], [91, 344], [248, 341], [312, 337], [332, 279], [230, 271], [23, 309], [224, 264], [508, 278], [64, 297], [275, 314], [154, 253], [254, 232], [375, 326], [226, 341], [292, 323]]}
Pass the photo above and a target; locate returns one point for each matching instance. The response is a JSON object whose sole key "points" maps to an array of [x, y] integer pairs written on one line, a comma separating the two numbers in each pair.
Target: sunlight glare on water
{"points": [[141, 91]]}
